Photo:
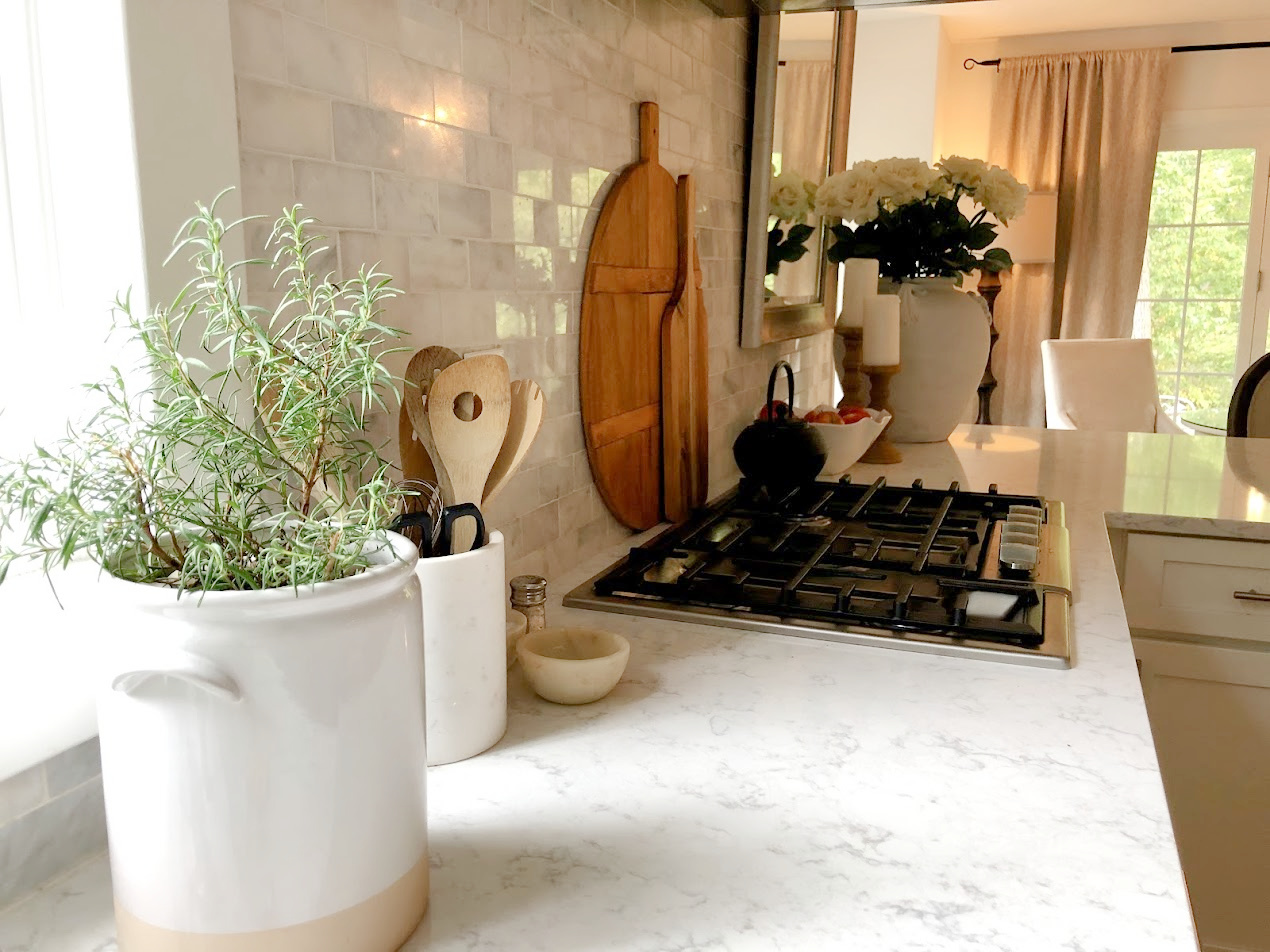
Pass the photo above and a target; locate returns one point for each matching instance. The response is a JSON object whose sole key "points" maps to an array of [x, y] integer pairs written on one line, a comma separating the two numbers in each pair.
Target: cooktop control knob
{"points": [[1019, 556], [1021, 539], [1027, 512]]}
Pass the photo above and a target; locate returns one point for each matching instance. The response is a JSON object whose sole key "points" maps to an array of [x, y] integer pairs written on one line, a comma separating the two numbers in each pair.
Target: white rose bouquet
{"points": [[792, 199], [908, 215]]}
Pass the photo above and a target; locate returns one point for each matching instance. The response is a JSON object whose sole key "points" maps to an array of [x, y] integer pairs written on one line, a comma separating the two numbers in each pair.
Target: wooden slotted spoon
{"points": [[469, 404], [523, 424]]}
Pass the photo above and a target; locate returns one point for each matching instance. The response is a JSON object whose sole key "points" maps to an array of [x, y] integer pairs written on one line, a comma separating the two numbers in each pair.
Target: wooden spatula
{"points": [[469, 404], [523, 424], [416, 461], [416, 464]]}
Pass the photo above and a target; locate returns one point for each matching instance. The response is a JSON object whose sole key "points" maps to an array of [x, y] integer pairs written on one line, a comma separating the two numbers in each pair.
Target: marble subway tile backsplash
{"points": [[468, 145], [52, 817]]}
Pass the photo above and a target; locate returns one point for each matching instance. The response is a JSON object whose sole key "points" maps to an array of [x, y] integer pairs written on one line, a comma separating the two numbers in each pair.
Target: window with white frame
{"points": [[1197, 301], [69, 213], [70, 240]]}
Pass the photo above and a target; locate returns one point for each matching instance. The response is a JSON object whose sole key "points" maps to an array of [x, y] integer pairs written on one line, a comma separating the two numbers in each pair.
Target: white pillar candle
{"points": [[859, 283], [882, 330]]}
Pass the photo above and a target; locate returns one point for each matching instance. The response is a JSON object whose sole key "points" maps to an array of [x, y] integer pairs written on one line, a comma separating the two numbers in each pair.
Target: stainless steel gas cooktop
{"points": [[937, 570]]}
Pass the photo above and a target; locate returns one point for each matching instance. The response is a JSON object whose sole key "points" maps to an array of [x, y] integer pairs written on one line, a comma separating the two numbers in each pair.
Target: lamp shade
{"points": [[1030, 237]]}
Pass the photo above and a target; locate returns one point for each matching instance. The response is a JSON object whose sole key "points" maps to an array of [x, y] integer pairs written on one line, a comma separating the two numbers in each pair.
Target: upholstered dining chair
{"points": [[1103, 385], [1250, 406]]}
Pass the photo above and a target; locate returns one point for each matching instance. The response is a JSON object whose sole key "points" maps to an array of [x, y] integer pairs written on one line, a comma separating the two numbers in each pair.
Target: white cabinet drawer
{"points": [[1215, 587]]}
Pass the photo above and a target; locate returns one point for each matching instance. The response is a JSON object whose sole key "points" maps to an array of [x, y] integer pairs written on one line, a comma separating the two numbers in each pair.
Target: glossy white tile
{"points": [[325, 60], [22, 793], [461, 103], [431, 35], [465, 212], [368, 137], [432, 150], [277, 118], [399, 83], [438, 264], [405, 204], [375, 20], [256, 39], [336, 194]]}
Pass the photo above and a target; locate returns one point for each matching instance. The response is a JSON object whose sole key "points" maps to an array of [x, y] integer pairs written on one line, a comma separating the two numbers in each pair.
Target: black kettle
{"points": [[780, 453]]}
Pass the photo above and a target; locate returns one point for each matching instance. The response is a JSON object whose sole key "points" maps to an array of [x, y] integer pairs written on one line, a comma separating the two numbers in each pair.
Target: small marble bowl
{"points": [[517, 625], [573, 665]]}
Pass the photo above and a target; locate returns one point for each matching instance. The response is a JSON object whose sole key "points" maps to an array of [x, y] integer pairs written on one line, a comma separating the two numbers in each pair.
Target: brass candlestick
{"points": [[854, 391], [883, 450]]}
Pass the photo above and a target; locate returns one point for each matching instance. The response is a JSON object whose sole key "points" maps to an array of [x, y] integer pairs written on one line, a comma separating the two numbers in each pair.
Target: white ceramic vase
{"points": [[943, 350], [263, 758], [465, 645]]}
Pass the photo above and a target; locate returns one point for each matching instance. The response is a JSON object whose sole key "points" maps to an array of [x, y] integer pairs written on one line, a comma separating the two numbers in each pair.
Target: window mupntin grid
{"points": [[1191, 295]]}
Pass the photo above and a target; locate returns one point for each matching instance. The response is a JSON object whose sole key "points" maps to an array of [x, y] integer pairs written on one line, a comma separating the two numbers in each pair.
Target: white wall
{"points": [[1230, 79], [895, 86], [185, 124]]}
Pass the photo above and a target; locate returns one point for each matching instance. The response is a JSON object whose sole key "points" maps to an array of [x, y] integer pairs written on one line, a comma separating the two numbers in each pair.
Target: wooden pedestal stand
{"points": [[854, 392], [883, 450], [989, 288]]}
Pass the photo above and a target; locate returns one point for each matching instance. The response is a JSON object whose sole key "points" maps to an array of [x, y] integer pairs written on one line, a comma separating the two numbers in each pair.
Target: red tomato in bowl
{"points": [[779, 407], [852, 414]]}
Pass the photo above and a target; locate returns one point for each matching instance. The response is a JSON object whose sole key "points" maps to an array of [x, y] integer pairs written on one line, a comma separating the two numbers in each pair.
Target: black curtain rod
{"points": [[1205, 48]]}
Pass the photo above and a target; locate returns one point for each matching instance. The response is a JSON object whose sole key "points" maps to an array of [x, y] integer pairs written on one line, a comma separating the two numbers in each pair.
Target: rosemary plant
{"points": [[254, 476]]}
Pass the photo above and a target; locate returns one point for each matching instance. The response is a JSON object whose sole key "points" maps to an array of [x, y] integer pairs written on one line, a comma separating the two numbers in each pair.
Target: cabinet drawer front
{"points": [[1215, 587]]}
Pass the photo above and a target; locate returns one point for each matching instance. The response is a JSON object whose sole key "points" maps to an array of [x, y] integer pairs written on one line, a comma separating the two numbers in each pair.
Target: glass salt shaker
{"points": [[529, 597]]}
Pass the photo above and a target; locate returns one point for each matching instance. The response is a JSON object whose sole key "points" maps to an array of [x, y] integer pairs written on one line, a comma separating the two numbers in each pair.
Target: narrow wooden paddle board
{"points": [[684, 374], [630, 275]]}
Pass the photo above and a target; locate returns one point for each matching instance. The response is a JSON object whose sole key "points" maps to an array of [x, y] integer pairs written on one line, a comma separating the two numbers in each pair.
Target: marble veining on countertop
{"points": [[746, 791]]}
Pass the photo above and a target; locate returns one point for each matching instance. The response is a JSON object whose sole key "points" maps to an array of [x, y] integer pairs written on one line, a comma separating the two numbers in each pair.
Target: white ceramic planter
{"points": [[465, 644], [943, 350], [264, 761]]}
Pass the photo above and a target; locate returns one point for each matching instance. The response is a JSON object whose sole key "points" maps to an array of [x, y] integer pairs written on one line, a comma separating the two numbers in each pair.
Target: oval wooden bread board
{"points": [[630, 275]]}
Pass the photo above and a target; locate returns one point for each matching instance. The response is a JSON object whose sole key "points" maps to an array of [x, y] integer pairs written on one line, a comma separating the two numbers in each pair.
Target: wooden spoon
{"points": [[416, 464], [523, 425], [469, 404], [416, 461]]}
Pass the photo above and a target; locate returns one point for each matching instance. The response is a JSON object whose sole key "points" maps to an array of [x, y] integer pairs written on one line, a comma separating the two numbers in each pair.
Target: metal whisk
{"points": [[420, 517]]}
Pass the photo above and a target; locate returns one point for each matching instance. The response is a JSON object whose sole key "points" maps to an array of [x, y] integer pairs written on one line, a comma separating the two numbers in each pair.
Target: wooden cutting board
{"points": [[685, 373], [630, 276]]}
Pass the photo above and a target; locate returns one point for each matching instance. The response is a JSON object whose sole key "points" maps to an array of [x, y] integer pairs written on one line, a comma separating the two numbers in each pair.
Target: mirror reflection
{"points": [[800, 158], [802, 74], [1163, 241]]}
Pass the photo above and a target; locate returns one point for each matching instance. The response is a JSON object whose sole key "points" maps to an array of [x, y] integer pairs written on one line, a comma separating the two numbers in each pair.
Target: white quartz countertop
{"points": [[746, 791]]}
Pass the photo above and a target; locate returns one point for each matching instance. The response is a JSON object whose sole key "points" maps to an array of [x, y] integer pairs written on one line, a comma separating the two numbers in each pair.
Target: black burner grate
{"points": [[906, 559]]}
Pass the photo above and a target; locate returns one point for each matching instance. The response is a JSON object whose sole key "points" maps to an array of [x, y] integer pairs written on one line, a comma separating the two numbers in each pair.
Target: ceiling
{"points": [[807, 26], [996, 18]]}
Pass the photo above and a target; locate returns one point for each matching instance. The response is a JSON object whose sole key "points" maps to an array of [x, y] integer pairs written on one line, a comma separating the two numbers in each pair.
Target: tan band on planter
{"points": [[382, 922]]}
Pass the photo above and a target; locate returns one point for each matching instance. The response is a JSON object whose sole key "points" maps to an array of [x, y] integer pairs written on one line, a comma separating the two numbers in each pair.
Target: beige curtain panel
{"points": [[802, 109], [1086, 125]]}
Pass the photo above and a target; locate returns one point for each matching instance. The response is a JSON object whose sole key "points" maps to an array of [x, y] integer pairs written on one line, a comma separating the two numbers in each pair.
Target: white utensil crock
{"points": [[465, 644], [264, 761]]}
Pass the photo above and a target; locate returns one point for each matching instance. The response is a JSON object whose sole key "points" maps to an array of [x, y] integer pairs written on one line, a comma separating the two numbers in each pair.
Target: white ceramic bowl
{"points": [[846, 443], [573, 665], [517, 625]]}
